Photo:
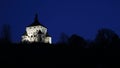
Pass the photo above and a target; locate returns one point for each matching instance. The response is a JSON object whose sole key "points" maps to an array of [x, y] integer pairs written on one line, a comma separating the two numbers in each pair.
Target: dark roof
{"points": [[25, 33], [36, 22]]}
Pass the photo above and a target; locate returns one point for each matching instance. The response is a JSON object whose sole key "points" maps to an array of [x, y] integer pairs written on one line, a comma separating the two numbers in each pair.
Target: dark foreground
{"points": [[58, 56]]}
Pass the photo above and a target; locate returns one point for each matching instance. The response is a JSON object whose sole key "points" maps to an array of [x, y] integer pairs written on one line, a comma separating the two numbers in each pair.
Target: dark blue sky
{"points": [[82, 17]]}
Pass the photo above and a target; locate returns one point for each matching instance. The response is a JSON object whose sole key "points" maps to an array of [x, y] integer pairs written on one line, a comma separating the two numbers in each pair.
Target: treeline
{"points": [[105, 38], [101, 52]]}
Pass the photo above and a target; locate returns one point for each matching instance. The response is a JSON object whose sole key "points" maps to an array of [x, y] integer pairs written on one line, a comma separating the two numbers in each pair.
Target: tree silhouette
{"points": [[105, 37], [6, 33], [63, 40], [76, 40]]}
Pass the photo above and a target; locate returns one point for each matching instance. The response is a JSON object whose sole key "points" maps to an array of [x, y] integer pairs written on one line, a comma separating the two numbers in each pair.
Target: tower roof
{"points": [[36, 22]]}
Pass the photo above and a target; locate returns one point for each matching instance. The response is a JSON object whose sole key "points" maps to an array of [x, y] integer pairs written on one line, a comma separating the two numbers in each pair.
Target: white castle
{"points": [[36, 32]]}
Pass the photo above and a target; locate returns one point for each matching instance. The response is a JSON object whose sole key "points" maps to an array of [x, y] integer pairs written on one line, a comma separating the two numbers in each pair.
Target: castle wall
{"points": [[34, 29], [48, 40], [33, 36]]}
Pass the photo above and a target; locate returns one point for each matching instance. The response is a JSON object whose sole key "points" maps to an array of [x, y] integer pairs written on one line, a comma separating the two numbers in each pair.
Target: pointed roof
{"points": [[36, 22]]}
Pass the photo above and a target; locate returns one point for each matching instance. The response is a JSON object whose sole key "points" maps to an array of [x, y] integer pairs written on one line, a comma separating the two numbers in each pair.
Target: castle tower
{"points": [[36, 32]]}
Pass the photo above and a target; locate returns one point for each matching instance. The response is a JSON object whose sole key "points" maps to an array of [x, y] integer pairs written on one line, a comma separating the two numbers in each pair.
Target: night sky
{"points": [[82, 17]]}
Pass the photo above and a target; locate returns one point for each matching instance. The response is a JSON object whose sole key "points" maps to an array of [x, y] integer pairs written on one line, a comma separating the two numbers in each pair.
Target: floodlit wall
{"points": [[34, 36]]}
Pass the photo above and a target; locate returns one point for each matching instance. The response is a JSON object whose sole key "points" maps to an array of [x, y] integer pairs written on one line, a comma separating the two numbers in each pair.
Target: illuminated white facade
{"points": [[36, 32]]}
